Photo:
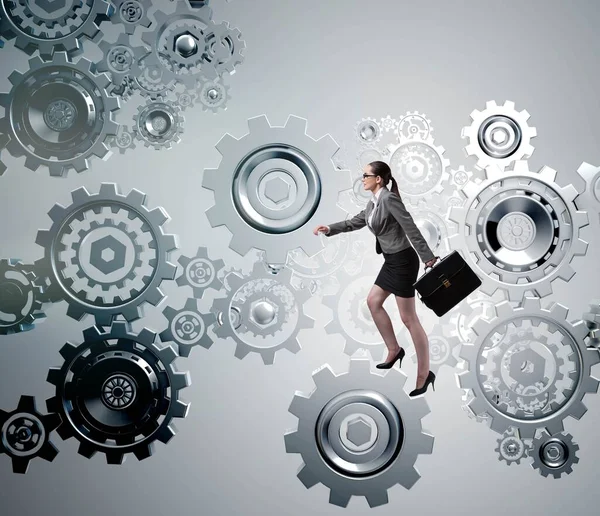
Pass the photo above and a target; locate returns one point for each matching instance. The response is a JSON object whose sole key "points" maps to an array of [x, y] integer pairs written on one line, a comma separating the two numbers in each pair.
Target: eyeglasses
{"points": [[369, 175]]}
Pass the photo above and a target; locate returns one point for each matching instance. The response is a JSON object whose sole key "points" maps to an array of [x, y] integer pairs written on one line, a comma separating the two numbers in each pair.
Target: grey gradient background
{"points": [[332, 62]]}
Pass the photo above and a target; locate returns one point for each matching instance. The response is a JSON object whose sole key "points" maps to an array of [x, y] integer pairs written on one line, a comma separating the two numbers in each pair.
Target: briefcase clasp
{"points": [[446, 283]]}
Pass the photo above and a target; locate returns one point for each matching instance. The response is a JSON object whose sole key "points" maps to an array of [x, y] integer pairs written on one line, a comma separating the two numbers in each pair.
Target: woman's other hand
{"points": [[321, 229], [431, 262]]}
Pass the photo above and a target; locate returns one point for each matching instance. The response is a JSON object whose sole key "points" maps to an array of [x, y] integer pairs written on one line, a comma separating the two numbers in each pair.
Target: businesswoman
{"points": [[395, 231]]}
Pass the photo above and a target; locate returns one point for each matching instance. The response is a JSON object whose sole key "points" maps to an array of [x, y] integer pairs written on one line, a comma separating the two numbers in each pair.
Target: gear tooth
{"points": [[299, 405], [180, 409], [324, 375], [165, 434], [226, 144], [241, 351], [307, 477], [136, 198], [142, 452], [259, 124], [114, 457], [339, 498], [48, 452], [548, 174], [167, 354], [68, 351], [239, 245], [87, 450], [293, 443], [559, 312], [153, 297], [268, 356]]}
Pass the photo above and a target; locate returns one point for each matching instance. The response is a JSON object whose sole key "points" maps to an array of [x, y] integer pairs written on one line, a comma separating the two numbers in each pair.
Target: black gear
{"points": [[114, 398]]}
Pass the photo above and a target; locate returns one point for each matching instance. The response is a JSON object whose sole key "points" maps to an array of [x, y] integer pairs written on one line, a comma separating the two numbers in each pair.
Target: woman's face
{"points": [[370, 180]]}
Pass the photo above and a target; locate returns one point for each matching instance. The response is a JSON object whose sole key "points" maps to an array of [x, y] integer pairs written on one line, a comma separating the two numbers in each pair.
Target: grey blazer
{"points": [[393, 226]]}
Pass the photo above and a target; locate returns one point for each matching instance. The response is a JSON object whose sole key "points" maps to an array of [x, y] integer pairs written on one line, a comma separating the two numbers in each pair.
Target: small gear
{"points": [[388, 123], [358, 441], [368, 131], [186, 99], [520, 229], [200, 272], [58, 114], [131, 14], [232, 317], [499, 135], [49, 26], [214, 96], [187, 327], [511, 448], [152, 80], [21, 297], [121, 59], [414, 126], [273, 184], [223, 49], [159, 124], [554, 454], [124, 140], [117, 393], [106, 254]]}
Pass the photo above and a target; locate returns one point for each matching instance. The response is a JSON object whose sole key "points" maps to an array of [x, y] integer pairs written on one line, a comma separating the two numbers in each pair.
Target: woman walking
{"points": [[395, 231]]}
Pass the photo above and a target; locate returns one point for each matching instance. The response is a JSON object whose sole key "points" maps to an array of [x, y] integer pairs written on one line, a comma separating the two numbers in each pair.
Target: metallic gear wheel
{"points": [[214, 96], [272, 185], [419, 168], [200, 272], [121, 59], [358, 442], [187, 327], [20, 298], [49, 26], [499, 135], [153, 80], [25, 434], [589, 200], [117, 397], [186, 99], [223, 49], [230, 314], [554, 454], [414, 126], [131, 14], [124, 140], [573, 336], [159, 124], [388, 123], [58, 114], [521, 230], [106, 254], [368, 131], [511, 448]]}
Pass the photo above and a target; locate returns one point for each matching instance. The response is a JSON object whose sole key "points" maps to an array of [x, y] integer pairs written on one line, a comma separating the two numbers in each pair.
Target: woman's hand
{"points": [[431, 262], [321, 229]]}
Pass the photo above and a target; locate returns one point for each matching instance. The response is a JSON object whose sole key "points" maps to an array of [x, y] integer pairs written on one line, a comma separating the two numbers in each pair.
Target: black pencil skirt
{"points": [[399, 272]]}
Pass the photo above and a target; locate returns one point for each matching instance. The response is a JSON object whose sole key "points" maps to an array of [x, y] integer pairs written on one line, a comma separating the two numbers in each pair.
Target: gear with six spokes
{"points": [[131, 14], [554, 454], [200, 272]]}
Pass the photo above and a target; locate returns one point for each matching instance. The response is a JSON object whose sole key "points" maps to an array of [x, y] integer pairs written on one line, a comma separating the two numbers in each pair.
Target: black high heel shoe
{"points": [[388, 365], [429, 380]]}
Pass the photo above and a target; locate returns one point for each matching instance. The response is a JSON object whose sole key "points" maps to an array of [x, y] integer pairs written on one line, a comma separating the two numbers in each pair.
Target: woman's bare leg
{"points": [[382, 320], [406, 306]]}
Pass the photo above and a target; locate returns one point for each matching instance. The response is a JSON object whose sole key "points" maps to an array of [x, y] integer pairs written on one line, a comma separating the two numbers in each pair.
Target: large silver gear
{"points": [[131, 14], [49, 26], [511, 448], [187, 327], [59, 114], [158, 124], [554, 454], [589, 199], [358, 441], [574, 334], [200, 272], [117, 393], [21, 294], [102, 265], [254, 183], [284, 338], [520, 230], [25, 434], [121, 59], [499, 135]]}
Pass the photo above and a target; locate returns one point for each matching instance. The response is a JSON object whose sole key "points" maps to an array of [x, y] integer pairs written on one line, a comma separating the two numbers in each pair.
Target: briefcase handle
{"points": [[431, 267]]}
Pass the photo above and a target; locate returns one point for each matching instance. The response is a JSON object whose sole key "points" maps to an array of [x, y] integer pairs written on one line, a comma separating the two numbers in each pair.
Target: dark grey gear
{"points": [[58, 114], [187, 327], [159, 124], [131, 14], [25, 434], [121, 59], [21, 296], [554, 454], [52, 26], [117, 393], [132, 260], [359, 433], [200, 272]]}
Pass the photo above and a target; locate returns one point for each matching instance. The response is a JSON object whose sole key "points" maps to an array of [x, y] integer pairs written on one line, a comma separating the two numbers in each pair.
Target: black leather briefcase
{"points": [[447, 283]]}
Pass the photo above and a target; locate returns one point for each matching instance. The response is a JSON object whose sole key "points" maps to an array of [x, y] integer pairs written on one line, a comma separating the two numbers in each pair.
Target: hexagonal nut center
{"points": [[359, 431], [277, 190]]}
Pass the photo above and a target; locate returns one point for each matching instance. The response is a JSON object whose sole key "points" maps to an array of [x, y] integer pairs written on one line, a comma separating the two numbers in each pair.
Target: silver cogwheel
{"points": [[589, 199], [58, 114], [153, 81], [388, 123], [520, 230], [273, 186], [50, 26], [117, 393], [499, 135], [442, 343], [187, 327], [200, 272], [214, 96], [25, 434], [554, 454], [121, 59], [185, 99], [131, 14], [573, 337], [232, 313], [414, 126], [223, 49], [158, 124], [106, 254], [21, 294], [358, 441], [420, 168], [124, 140], [511, 448], [368, 131]]}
